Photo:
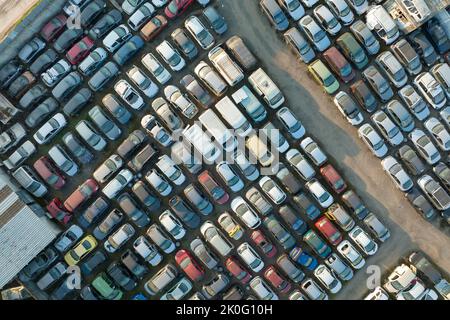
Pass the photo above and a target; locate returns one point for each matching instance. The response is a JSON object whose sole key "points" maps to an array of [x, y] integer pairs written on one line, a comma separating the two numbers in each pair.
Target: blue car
{"points": [[128, 50], [303, 258], [139, 296]]}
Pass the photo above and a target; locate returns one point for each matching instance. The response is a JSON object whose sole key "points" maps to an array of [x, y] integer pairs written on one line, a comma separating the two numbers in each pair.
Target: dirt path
{"points": [[12, 12]]}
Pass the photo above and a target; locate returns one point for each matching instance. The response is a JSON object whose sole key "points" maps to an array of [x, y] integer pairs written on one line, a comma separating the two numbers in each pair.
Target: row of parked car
{"points": [[394, 121], [318, 273], [412, 281]]}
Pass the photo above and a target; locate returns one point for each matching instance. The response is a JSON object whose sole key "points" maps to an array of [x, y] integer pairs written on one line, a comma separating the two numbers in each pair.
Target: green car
{"points": [[317, 244], [106, 288], [352, 50], [323, 76]]}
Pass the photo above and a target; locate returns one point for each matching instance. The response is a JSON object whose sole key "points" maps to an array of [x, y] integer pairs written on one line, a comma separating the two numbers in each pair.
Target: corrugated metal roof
{"points": [[22, 234]]}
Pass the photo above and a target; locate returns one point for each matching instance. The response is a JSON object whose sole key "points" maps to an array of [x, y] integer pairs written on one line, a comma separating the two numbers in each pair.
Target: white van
{"points": [[259, 150], [266, 88], [230, 112], [379, 20], [222, 135], [201, 142], [227, 68]]}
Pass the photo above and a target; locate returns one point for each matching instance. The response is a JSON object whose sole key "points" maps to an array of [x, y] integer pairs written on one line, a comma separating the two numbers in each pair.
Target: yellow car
{"points": [[81, 250]]}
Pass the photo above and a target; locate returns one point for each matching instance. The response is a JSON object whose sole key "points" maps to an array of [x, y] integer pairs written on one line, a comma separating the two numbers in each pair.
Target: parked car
{"points": [[80, 152], [314, 33], [116, 38], [53, 27], [81, 195], [275, 15], [90, 135], [105, 24], [30, 50], [47, 131]]}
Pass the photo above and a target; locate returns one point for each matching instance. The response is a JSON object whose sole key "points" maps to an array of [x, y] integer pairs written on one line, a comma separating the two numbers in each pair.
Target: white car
{"points": [[93, 61], [172, 225], [363, 241], [248, 170], [341, 10], [108, 168], [231, 179], [160, 3], [445, 115], [21, 154], [171, 56], [178, 291], [313, 151], [397, 173], [387, 127], [141, 16], [49, 129], [120, 181], [339, 267], [327, 278], [63, 161], [180, 101], [291, 123], [156, 68], [129, 94], [314, 33], [392, 68], [158, 183], [156, 130], [377, 294], [309, 3], [322, 196], [373, 140], [416, 291], [434, 191], [400, 279], [250, 257], [168, 167], [272, 190], [441, 73], [348, 108], [360, 6], [348, 251], [199, 32], [430, 89], [313, 290], [116, 38], [52, 76], [300, 164], [425, 146], [68, 238], [327, 19], [245, 213], [147, 251], [143, 82], [129, 6], [414, 102], [293, 7], [439, 133], [262, 290]]}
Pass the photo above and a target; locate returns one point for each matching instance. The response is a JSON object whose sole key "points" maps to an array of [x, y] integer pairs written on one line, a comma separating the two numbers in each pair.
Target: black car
{"points": [[307, 205], [66, 86], [62, 291], [128, 50], [91, 12], [41, 262], [184, 212], [43, 62], [105, 24], [184, 43], [121, 276], [77, 148], [92, 262], [94, 212], [131, 262], [142, 192], [129, 206], [42, 111], [33, 96], [424, 268], [8, 73], [103, 76], [423, 47], [77, 102], [67, 39], [18, 87], [288, 215], [31, 50], [421, 204]]}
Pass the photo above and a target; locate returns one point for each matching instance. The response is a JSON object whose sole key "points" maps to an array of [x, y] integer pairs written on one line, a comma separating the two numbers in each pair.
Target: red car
{"points": [[80, 50], [53, 28], [176, 8], [189, 265], [263, 243], [212, 187], [327, 228], [237, 270], [81, 194], [276, 280], [51, 175], [58, 212], [333, 178]]}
